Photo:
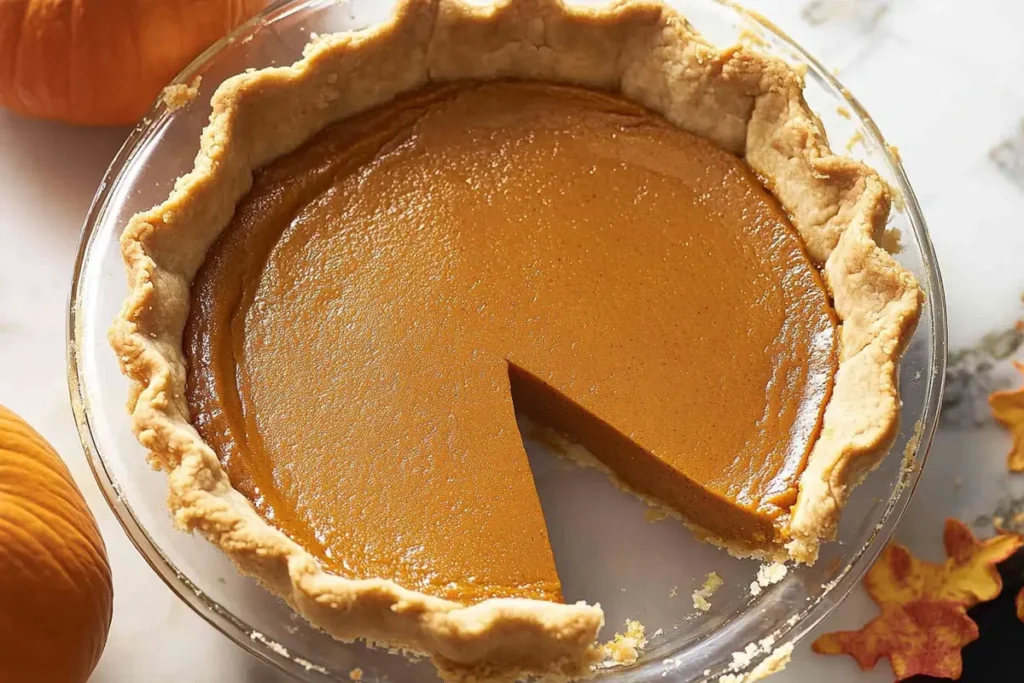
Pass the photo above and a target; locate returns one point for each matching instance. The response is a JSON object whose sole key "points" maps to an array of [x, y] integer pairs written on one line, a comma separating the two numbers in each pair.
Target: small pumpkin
{"points": [[103, 62], [55, 591]]}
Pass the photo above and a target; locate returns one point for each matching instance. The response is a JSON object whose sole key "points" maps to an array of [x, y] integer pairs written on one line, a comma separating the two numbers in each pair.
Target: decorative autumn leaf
{"points": [[970, 575], [922, 637], [923, 623], [1008, 408]]}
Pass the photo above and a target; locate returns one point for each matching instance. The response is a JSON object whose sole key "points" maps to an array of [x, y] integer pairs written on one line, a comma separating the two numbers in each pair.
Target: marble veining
{"points": [[1008, 155], [975, 372]]}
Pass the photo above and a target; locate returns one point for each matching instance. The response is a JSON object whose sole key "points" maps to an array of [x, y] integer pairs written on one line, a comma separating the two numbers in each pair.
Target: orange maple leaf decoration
{"points": [[923, 622], [1008, 408]]}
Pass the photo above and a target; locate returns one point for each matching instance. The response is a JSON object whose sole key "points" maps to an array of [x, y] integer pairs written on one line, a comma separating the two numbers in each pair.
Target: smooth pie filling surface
{"points": [[360, 331]]}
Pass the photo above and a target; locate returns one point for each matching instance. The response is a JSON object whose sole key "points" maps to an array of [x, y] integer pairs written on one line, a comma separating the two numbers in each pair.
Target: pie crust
{"points": [[747, 103]]}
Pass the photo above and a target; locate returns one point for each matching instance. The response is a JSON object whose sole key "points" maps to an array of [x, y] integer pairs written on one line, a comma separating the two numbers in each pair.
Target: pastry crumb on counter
{"points": [[356, 674], [767, 575], [625, 648], [178, 95], [674, 592], [700, 597]]}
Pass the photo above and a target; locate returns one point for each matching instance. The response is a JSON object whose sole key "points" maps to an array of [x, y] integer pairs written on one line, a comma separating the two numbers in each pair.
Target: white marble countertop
{"points": [[942, 79]]}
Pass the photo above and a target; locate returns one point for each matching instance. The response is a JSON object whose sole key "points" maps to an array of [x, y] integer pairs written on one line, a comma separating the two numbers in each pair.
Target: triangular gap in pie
{"points": [[269, 362]]}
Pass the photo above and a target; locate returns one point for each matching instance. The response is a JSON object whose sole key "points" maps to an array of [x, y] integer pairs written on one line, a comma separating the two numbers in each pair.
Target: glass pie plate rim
{"points": [[236, 628]]}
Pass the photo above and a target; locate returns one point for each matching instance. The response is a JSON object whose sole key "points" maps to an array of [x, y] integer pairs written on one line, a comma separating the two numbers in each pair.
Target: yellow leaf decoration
{"points": [[1008, 408], [923, 623]]}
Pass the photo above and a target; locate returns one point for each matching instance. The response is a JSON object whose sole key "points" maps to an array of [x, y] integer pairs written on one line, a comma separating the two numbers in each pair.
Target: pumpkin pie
{"points": [[587, 215]]}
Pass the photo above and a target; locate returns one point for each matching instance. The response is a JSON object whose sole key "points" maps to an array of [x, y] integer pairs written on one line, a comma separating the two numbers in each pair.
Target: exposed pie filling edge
{"points": [[744, 102]]}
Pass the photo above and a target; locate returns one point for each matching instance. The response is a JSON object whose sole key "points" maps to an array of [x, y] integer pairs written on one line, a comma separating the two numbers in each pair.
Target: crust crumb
{"points": [[674, 592], [752, 38], [356, 674], [844, 112], [624, 649], [700, 597], [742, 658], [772, 664], [767, 575], [910, 452], [179, 95], [655, 514], [856, 139]]}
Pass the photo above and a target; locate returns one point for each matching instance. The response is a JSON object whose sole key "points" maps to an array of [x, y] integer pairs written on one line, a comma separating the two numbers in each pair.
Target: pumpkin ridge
{"points": [[71, 101], [17, 61], [103, 62], [56, 494], [40, 549], [70, 531], [71, 536], [54, 483], [15, 447], [56, 587]]}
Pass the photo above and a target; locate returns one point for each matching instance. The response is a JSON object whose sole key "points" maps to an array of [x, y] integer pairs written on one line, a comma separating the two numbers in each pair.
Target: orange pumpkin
{"points": [[55, 590], [103, 62]]}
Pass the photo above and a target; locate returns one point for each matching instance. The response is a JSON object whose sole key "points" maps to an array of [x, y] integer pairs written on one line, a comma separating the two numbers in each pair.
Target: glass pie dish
{"points": [[606, 549]]}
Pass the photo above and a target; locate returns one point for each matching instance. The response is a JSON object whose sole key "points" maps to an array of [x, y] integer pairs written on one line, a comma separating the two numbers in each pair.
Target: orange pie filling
{"points": [[387, 296]]}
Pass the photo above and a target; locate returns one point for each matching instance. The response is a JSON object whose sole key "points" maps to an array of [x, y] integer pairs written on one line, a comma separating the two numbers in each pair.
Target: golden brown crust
{"points": [[749, 104]]}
